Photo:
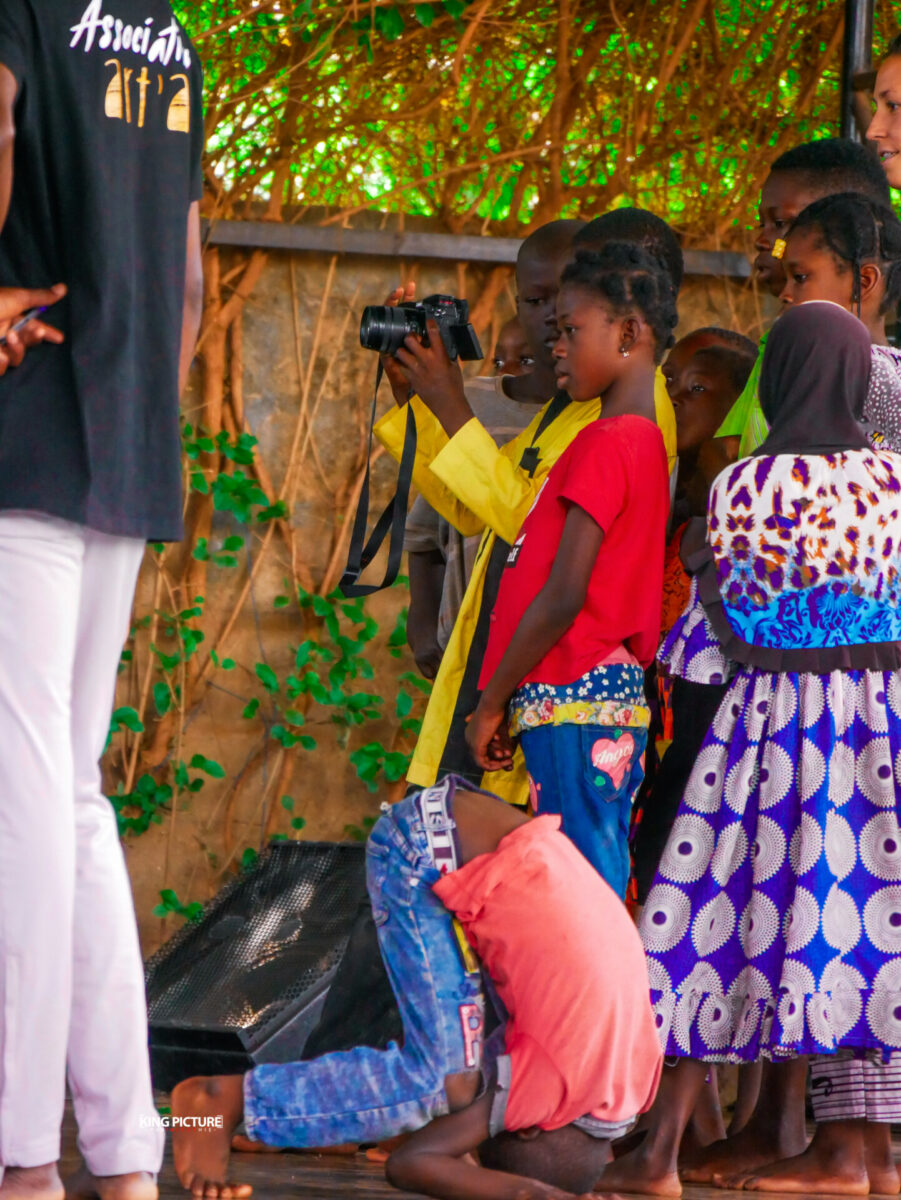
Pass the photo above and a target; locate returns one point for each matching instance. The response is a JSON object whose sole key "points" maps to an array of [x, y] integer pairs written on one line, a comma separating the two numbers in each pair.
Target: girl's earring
{"points": [[624, 352]]}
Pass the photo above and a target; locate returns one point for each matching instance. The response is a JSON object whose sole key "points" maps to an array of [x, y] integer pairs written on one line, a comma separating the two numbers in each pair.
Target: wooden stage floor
{"points": [[318, 1177]]}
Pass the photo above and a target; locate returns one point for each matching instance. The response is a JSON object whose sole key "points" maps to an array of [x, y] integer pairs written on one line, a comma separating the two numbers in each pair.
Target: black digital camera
{"points": [[383, 328]]}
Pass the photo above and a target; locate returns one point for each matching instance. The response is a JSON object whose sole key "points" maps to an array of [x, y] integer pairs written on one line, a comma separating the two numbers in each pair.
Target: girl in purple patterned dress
{"points": [[773, 928]]}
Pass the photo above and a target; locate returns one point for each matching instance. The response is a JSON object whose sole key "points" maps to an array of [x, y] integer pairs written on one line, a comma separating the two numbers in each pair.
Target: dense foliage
{"points": [[495, 114]]}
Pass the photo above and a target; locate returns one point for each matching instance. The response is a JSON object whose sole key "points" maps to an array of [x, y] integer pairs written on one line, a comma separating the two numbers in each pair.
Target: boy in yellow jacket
{"points": [[479, 486]]}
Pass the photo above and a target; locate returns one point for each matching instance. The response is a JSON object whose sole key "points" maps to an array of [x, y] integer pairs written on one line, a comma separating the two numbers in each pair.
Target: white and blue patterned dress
{"points": [[773, 927]]}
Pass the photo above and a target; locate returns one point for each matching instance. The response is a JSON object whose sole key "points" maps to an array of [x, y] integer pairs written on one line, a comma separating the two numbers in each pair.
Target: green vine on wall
{"points": [[324, 686]]}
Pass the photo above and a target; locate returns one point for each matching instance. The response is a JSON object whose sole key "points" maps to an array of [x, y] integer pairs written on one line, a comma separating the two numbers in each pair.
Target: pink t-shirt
{"points": [[569, 966]]}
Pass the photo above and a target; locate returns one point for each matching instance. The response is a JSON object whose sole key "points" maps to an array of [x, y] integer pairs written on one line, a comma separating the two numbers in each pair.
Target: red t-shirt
{"points": [[569, 966], [616, 470]]}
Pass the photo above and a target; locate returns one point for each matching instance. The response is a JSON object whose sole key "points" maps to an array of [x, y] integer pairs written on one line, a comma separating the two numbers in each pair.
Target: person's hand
{"points": [[400, 385], [435, 379], [14, 303], [488, 738], [428, 661]]}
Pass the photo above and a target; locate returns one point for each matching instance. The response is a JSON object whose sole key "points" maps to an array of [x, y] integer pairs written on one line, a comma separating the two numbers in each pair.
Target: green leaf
{"points": [[298, 822], [212, 768], [267, 676], [287, 803], [389, 22], [199, 483], [162, 698], [281, 601], [126, 718], [425, 14], [249, 859], [404, 704], [273, 512], [250, 710], [416, 681], [321, 606]]}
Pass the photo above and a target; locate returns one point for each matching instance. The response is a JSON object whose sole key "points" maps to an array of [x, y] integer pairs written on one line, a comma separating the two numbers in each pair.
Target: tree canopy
{"points": [[494, 115]]}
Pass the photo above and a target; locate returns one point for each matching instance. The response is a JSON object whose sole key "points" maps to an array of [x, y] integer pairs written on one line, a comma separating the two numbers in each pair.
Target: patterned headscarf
{"points": [[814, 379]]}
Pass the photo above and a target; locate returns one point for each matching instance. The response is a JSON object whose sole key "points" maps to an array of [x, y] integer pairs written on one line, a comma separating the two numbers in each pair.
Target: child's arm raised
{"points": [[432, 1161], [543, 624]]}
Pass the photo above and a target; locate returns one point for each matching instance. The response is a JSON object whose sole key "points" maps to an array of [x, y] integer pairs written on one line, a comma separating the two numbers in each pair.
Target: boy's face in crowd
{"points": [[783, 196], [537, 285], [812, 272], [885, 128], [512, 354], [587, 351], [701, 392]]}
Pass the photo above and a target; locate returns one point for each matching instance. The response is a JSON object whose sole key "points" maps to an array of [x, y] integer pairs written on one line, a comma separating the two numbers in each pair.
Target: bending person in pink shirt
{"points": [[476, 908]]}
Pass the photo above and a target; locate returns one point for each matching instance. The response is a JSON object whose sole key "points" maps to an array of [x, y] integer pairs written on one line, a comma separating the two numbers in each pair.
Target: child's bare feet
{"points": [[241, 1144], [832, 1165], [32, 1183], [201, 1153], [732, 1158], [136, 1185], [881, 1170], [640, 1171], [775, 1131], [806, 1175]]}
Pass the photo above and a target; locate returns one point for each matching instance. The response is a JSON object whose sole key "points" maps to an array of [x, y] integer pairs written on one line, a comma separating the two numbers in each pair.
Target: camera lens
{"points": [[383, 329]]}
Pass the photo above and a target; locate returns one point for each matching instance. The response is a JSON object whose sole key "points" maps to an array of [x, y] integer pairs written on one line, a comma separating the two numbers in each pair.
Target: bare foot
{"points": [[811, 1173], [215, 1105], [733, 1158], [136, 1185], [32, 1183], [639, 1172], [241, 1144], [381, 1152], [881, 1170]]}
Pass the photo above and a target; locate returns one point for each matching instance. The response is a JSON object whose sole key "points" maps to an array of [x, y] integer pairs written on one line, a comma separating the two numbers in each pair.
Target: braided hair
{"points": [[858, 230], [629, 279], [640, 227]]}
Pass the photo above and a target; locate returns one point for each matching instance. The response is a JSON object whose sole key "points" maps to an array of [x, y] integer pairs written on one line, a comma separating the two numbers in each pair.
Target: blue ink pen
{"points": [[22, 322]]}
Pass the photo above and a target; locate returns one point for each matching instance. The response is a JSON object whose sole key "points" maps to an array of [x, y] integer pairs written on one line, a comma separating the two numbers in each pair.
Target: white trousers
{"points": [[71, 976]]}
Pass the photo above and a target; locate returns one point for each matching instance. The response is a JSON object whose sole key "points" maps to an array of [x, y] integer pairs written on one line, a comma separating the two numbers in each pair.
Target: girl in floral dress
{"points": [[773, 928]]}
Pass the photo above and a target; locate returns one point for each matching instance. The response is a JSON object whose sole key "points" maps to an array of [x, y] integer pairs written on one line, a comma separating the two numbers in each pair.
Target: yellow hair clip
{"points": [[778, 248]]}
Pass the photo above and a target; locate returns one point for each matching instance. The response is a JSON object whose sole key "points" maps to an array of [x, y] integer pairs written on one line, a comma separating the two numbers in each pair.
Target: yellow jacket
{"points": [[479, 486]]}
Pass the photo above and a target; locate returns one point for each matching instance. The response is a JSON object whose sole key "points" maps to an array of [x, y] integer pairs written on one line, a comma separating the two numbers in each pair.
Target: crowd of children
{"points": [[694, 545]]}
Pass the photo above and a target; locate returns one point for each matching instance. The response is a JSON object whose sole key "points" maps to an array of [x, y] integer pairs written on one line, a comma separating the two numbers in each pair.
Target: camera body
{"points": [[383, 328]]}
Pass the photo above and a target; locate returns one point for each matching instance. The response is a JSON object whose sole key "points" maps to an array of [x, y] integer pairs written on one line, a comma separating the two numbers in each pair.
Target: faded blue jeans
{"points": [[366, 1095]]}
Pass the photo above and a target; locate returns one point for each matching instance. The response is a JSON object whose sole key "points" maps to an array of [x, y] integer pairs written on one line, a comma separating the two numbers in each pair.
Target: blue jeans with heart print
{"points": [[589, 774]]}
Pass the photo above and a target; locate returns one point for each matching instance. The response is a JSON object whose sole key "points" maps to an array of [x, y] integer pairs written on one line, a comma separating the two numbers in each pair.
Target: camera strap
{"points": [[530, 456], [392, 521]]}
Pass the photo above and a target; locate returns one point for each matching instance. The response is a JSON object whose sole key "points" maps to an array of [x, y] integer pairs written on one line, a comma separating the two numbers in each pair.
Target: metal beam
{"points": [[857, 57], [374, 243]]}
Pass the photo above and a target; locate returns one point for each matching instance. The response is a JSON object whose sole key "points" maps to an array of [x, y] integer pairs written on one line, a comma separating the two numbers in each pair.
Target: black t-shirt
{"points": [[109, 133]]}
